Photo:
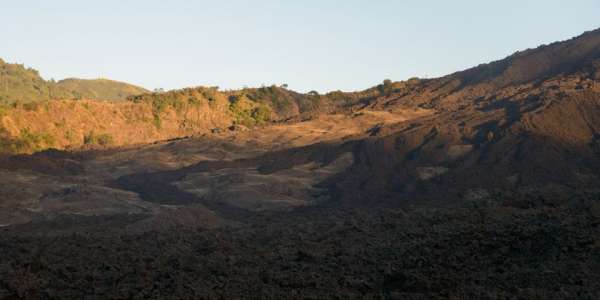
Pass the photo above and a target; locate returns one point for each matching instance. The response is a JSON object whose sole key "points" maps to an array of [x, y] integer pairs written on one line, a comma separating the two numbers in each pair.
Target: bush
{"points": [[69, 136], [240, 110], [194, 101], [104, 139], [338, 98], [179, 100], [261, 114], [278, 98], [386, 88], [26, 142], [247, 112]]}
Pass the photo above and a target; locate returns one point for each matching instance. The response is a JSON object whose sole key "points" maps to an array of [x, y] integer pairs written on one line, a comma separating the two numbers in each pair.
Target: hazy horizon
{"points": [[313, 45]]}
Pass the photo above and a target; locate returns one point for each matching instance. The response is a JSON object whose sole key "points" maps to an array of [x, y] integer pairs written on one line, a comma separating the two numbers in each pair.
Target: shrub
{"points": [[104, 139], [26, 142], [179, 100], [261, 114], [339, 97], [312, 102], [31, 106], [240, 110], [69, 136], [386, 88], [194, 101], [247, 112]]}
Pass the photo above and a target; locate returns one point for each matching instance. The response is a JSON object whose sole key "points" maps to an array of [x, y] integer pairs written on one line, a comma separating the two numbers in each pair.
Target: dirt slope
{"points": [[88, 123]]}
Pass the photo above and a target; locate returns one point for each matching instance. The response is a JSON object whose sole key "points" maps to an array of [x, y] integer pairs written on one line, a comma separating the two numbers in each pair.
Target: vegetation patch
{"points": [[25, 85], [178, 100], [104, 139], [26, 142], [4, 109], [248, 113]]}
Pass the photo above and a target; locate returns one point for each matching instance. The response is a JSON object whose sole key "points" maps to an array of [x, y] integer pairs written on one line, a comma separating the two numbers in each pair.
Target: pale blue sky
{"points": [[322, 45]]}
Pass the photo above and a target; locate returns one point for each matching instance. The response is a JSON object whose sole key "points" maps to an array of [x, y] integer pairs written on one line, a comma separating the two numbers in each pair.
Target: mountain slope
{"points": [[527, 121], [482, 184], [18, 83], [501, 136], [102, 89], [25, 85]]}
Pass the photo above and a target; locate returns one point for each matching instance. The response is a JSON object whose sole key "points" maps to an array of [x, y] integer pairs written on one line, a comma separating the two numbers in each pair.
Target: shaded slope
{"points": [[528, 123], [523, 122], [536, 65]]}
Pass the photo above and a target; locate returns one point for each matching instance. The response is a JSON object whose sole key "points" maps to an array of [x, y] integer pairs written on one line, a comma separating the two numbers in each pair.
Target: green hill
{"points": [[103, 89], [21, 84]]}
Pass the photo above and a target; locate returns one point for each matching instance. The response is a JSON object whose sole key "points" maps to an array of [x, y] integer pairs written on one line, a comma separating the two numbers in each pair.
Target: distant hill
{"points": [[18, 83], [103, 89], [255, 106], [25, 85]]}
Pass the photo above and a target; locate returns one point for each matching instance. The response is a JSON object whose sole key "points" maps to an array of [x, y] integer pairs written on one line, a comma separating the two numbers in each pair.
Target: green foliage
{"points": [[279, 99], [88, 139], [158, 101], [25, 85], [247, 112], [70, 136], [386, 88], [18, 83], [240, 110], [104, 139], [30, 106], [193, 101], [261, 114], [210, 94], [312, 102], [4, 109], [179, 100], [100, 89], [26, 142], [338, 98], [251, 106]]}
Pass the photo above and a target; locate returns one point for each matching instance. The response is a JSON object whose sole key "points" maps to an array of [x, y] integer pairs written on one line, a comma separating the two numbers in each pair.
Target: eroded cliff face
{"points": [[72, 124]]}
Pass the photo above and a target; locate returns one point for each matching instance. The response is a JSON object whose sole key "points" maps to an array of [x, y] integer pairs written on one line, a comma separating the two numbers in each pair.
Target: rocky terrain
{"points": [[481, 184]]}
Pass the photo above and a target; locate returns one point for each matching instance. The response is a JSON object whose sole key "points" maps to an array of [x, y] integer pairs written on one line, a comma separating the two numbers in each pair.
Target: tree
{"points": [[386, 87]]}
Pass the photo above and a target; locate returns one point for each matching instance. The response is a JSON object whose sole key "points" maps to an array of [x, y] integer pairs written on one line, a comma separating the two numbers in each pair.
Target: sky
{"points": [[319, 45]]}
